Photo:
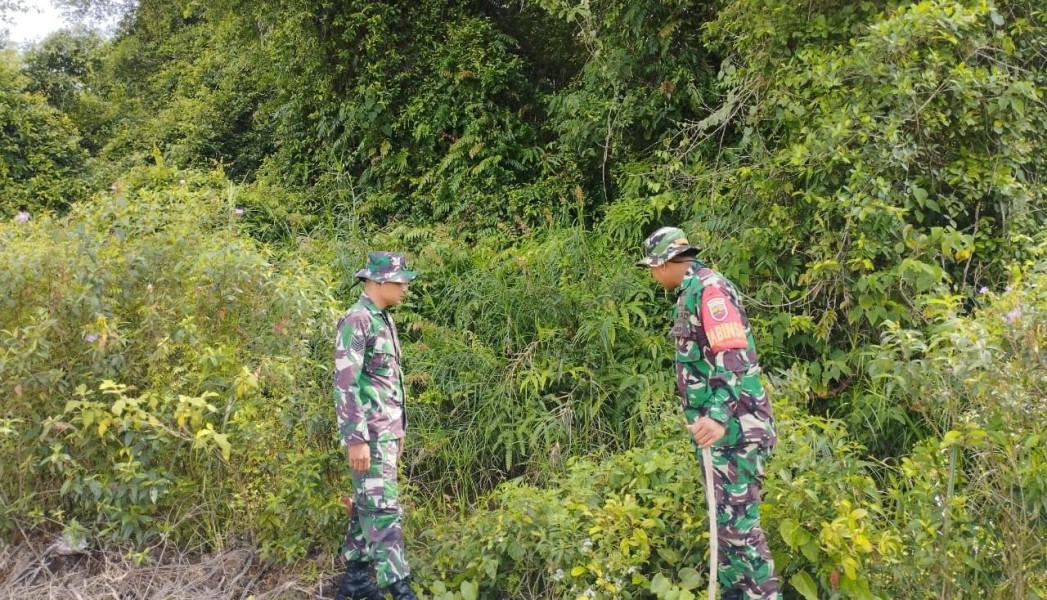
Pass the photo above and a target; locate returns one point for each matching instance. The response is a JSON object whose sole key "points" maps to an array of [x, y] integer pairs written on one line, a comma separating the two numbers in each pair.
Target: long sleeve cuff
{"points": [[718, 407], [355, 435]]}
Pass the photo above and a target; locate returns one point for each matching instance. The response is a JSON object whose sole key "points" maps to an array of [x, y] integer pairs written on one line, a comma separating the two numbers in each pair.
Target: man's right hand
{"points": [[360, 458], [706, 432]]}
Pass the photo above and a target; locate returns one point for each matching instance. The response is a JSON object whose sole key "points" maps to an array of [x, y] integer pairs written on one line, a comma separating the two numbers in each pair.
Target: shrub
{"points": [[159, 366], [40, 157]]}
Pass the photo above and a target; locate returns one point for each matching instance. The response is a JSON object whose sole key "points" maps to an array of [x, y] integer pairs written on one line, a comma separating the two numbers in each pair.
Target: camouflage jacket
{"points": [[717, 372], [368, 381]]}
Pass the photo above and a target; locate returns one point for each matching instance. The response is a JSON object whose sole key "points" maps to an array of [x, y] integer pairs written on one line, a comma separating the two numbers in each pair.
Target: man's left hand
{"points": [[706, 432]]}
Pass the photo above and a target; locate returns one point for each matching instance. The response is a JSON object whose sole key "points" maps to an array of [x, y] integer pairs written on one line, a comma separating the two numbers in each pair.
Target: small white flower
{"points": [[587, 545], [558, 575]]}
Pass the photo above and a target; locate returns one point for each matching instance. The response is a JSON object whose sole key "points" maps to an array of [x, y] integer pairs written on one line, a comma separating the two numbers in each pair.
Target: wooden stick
{"points": [[714, 539]]}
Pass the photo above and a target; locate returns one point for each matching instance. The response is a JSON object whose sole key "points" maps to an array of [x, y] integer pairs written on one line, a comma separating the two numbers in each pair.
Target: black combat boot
{"points": [[357, 584], [401, 590]]}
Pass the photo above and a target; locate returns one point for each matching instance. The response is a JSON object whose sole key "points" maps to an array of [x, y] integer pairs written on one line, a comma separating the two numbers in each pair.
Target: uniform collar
{"points": [[691, 276], [369, 304], [696, 266]]}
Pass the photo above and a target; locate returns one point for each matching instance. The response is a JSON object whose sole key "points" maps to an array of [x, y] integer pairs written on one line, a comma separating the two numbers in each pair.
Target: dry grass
{"points": [[36, 571]]}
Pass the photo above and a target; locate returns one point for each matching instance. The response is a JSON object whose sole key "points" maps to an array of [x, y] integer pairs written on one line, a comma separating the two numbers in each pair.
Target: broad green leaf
{"points": [[470, 590], [690, 578], [660, 584], [805, 584]]}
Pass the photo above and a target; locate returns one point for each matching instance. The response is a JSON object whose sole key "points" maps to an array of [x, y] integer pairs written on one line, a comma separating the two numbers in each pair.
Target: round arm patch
{"points": [[722, 321]]}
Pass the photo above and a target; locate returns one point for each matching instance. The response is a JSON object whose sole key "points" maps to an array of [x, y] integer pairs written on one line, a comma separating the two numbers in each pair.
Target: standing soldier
{"points": [[727, 410], [369, 403]]}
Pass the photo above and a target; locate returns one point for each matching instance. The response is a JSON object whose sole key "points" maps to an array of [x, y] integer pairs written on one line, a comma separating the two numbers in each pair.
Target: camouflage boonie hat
{"points": [[662, 245], [386, 266]]}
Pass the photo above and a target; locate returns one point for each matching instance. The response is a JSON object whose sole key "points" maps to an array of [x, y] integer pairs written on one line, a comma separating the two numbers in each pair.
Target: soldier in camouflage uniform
{"points": [[725, 404], [369, 403]]}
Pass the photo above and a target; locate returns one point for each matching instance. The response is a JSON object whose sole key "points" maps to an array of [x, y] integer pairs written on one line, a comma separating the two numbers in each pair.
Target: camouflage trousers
{"points": [[746, 570], [375, 522]]}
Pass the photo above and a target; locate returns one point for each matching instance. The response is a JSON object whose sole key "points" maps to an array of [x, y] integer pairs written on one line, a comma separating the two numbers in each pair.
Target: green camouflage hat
{"points": [[662, 245], [386, 266]]}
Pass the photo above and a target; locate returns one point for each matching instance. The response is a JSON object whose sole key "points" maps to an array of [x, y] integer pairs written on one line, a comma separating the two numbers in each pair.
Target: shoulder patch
{"points": [[354, 327], [723, 323], [717, 308]]}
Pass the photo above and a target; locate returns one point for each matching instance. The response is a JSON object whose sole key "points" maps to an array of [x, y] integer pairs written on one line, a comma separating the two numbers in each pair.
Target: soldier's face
{"points": [[392, 293], [670, 275]]}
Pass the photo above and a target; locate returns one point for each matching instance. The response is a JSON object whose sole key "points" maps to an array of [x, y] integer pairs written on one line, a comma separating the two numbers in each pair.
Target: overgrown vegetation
{"points": [[184, 205]]}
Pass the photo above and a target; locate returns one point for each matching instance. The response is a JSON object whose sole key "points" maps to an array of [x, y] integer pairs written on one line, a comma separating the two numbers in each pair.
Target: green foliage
{"points": [[65, 68], [869, 174], [645, 70], [525, 356], [40, 159], [187, 86], [427, 105], [839, 526], [155, 362], [976, 490], [613, 529], [632, 525], [871, 153]]}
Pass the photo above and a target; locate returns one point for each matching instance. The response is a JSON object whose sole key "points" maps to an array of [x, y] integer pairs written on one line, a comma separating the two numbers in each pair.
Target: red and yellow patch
{"points": [[722, 321], [717, 308]]}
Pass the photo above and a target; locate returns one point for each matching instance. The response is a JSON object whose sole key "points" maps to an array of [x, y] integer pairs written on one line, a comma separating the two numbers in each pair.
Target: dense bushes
{"points": [[977, 489], [870, 174], [528, 355], [633, 526], [167, 379], [147, 326], [41, 162], [154, 362], [963, 515], [870, 153]]}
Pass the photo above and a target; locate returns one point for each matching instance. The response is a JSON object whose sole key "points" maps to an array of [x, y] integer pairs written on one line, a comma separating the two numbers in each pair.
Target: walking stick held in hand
{"points": [[714, 540]]}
